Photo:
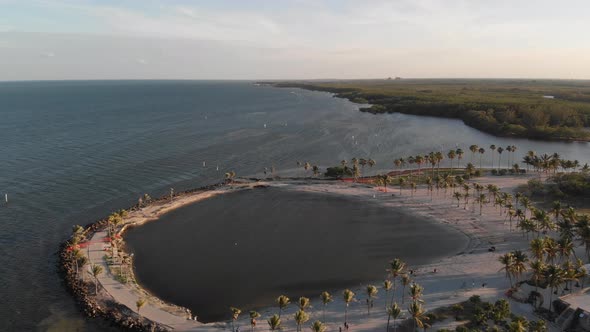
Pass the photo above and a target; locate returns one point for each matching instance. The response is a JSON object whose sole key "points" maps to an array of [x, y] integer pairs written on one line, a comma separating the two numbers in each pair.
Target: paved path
{"points": [[128, 294]]}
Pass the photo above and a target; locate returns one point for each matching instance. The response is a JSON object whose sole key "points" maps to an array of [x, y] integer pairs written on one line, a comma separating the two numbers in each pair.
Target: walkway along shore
{"points": [[457, 277]]}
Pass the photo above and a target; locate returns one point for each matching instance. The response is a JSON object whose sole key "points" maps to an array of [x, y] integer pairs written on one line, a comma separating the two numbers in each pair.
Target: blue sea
{"points": [[72, 151]]}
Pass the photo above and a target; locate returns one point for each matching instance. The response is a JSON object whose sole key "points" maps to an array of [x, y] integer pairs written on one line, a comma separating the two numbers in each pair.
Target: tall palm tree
{"points": [[481, 152], [518, 266], [387, 287], [508, 261], [300, 318], [139, 304], [96, 271], [451, 155], [348, 296], [396, 267], [405, 281], [416, 292], [554, 276], [318, 326], [253, 316], [500, 150], [393, 312], [282, 301], [457, 195], [556, 209], [493, 148], [538, 248], [513, 150], [235, 313], [401, 184], [438, 156], [326, 298], [371, 163], [274, 322], [417, 312], [371, 292], [481, 199], [303, 303], [459, 153], [473, 148], [82, 261], [538, 270]]}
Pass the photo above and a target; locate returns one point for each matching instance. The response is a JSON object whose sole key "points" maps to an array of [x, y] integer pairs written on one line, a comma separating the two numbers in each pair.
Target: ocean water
{"points": [[72, 151]]}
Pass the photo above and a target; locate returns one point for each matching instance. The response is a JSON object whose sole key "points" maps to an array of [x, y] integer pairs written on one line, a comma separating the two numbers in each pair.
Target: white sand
{"points": [[457, 277]]}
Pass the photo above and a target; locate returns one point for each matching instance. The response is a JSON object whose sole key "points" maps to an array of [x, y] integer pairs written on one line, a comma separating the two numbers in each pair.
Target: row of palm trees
{"points": [[552, 162], [396, 272], [554, 260]]}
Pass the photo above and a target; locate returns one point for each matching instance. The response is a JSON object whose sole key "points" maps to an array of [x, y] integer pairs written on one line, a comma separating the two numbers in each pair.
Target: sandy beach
{"points": [[456, 278]]}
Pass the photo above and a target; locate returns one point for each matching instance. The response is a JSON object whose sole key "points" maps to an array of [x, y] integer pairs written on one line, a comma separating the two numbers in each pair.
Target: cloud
{"points": [[142, 61]]}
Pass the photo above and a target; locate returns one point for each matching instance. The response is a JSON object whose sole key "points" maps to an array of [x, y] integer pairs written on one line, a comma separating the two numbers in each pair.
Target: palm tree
{"points": [[554, 276], [371, 292], [418, 314], [283, 301], [438, 157], [556, 210], [393, 312], [300, 318], [253, 316], [457, 195], [318, 326], [371, 163], [459, 153], [348, 296], [401, 184], [473, 148], [397, 266], [518, 325], [538, 248], [96, 271], [500, 150], [451, 155], [518, 266], [384, 179], [493, 148], [274, 322], [303, 303], [538, 269], [81, 261], [405, 281], [326, 298], [481, 199], [316, 170], [481, 152], [387, 287], [235, 313], [508, 261], [416, 292], [139, 304]]}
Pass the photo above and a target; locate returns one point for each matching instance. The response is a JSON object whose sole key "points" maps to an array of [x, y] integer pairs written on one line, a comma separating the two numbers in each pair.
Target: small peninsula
{"points": [[537, 109]]}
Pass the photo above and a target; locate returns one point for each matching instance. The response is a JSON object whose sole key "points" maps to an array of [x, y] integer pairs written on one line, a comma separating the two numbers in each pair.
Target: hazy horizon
{"points": [[299, 39]]}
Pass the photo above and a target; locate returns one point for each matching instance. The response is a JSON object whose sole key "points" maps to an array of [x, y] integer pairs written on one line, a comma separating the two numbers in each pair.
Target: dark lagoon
{"points": [[73, 151], [246, 248]]}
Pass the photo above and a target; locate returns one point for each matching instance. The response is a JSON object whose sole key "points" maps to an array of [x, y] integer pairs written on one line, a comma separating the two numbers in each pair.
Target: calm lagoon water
{"points": [[246, 248], [72, 151]]}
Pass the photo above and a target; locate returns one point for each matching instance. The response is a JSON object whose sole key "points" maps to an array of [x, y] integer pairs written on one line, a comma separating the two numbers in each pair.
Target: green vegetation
{"points": [[515, 108]]}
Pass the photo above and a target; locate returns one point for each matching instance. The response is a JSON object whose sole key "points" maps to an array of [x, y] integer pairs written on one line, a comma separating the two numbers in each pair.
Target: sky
{"points": [[293, 39]]}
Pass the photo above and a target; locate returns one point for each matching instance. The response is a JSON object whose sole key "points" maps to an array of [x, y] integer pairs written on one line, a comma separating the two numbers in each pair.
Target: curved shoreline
{"points": [[167, 316]]}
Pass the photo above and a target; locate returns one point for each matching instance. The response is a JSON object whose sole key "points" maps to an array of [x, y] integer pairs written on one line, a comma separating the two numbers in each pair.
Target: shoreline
{"points": [[340, 93], [417, 205]]}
